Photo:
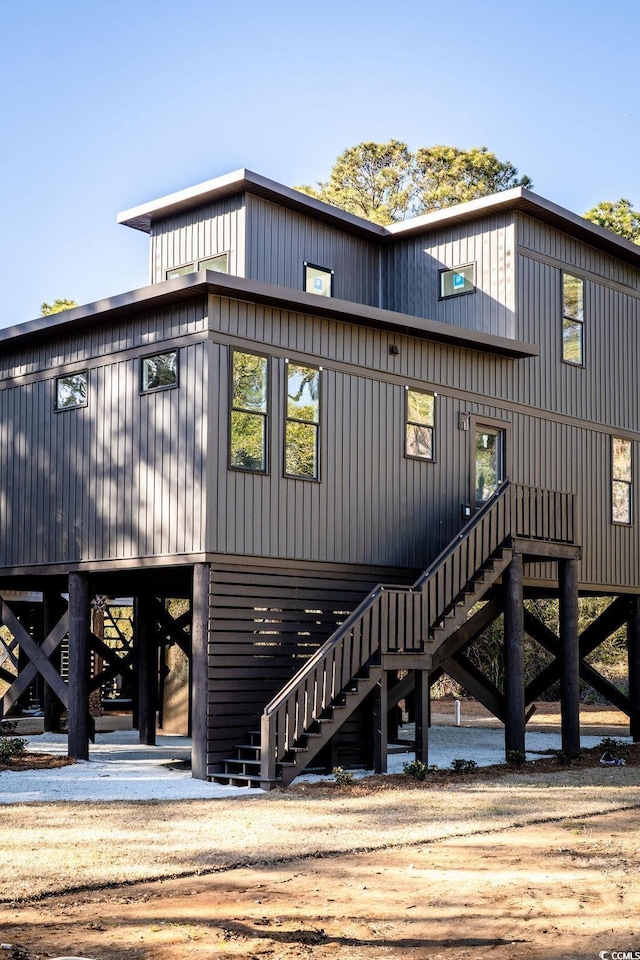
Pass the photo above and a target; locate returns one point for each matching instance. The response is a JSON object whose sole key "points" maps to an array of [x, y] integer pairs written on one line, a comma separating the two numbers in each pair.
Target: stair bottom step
{"points": [[243, 780]]}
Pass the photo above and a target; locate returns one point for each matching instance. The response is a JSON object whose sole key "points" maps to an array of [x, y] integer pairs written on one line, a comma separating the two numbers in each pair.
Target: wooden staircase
{"points": [[393, 628]]}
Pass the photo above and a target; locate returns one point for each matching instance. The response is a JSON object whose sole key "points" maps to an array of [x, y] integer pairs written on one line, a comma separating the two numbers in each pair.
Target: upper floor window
{"points": [[458, 280], [302, 425], [219, 263], [621, 480], [248, 427], [318, 280], [419, 426], [572, 319], [71, 391], [160, 371]]}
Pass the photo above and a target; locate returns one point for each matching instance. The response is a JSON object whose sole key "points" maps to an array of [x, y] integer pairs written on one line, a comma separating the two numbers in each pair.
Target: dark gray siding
{"points": [[411, 275], [204, 232], [279, 241], [120, 478]]}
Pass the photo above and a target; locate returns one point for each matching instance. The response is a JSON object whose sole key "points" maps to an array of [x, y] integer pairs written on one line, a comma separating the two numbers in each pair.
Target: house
{"points": [[334, 439]]}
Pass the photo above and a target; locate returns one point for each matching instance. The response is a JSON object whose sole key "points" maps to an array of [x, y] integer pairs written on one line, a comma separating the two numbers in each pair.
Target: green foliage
{"points": [[567, 759], [613, 749], [57, 306], [418, 770], [619, 217], [516, 758], [343, 777], [12, 747], [463, 766], [386, 182]]}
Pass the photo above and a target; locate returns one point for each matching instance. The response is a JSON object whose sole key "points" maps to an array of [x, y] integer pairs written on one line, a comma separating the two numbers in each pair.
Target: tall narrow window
{"points": [[419, 424], [621, 480], [248, 428], [572, 319], [302, 426]]}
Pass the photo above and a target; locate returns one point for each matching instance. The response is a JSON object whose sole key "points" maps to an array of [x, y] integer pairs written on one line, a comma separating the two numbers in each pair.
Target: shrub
{"points": [[516, 758], [567, 759], [613, 751], [12, 747], [418, 770], [463, 766], [343, 777]]}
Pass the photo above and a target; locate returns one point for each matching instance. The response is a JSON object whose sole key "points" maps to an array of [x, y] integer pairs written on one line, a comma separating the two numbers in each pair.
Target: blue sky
{"points": [[111, 103]]}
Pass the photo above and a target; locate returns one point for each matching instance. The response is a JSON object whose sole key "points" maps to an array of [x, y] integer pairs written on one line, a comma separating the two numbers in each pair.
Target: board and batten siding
{"points": [[279, 241], [206, 231], [122, 477], [411, 280]]}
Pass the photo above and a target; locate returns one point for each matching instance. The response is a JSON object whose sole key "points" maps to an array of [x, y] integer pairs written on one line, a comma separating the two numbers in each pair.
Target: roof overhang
{"points": [[203, 283]]}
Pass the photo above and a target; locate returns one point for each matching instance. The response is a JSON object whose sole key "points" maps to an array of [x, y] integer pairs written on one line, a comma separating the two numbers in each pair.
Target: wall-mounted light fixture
{"points": [[464, 421], [394, 349]]}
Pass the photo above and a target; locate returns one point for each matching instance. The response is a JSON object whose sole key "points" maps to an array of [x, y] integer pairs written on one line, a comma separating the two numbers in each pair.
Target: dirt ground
{"points": [[533, 864]]}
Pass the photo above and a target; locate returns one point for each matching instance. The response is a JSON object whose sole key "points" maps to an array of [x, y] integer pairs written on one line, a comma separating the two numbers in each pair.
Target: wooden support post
{"points": [[422, 715], [633, 647], [54, 607], [380, 727], [79, 662], [144, 638], [199, 668], [514, 726], [569, 657]]}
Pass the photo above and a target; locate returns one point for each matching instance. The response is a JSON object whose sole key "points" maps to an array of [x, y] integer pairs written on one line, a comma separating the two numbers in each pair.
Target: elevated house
{"points": [[349, 447]]}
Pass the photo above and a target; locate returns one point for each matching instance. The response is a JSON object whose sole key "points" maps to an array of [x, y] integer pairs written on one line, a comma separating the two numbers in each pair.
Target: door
{"points": [[489, 461]]}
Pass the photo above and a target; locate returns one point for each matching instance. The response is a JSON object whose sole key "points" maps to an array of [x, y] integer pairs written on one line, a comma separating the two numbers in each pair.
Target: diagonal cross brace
{"points": [[38, 658]]}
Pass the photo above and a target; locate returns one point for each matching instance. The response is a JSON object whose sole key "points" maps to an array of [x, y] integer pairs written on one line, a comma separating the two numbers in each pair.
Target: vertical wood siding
{"points": [[122, 477], [279, 241], [197, 234], [411, 275]]}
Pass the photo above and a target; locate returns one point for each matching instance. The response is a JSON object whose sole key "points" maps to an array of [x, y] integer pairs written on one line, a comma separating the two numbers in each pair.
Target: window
{"points": [[160, 371], [458, 280], [180, 271], [71, 391], [219, 263], [419, 424], [572, 319], [621, 480], [248, 428], [318, 280], [302, 422]]}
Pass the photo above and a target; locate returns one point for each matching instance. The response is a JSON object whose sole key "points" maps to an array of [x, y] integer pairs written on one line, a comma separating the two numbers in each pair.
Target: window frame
{"points": [[619, 480], [165, 386], [567, 318], [314, 423], [72, 406], [307, 265], [184, 269], [457, 269], [414, 423], [266, 414], [216, 256]]}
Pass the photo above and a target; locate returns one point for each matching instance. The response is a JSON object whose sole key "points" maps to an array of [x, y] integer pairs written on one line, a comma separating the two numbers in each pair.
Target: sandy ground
{"points": [[528, 865]]}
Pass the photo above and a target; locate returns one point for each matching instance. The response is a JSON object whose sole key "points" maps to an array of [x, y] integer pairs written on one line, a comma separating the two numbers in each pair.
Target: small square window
{"points": [[71, 391], [318, 280], [219, 263], [458, 280], [160, 371], [180, 271]]}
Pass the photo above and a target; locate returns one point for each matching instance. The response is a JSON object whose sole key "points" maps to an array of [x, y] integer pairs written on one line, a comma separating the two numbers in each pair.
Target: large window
{"points": [[318, 280], [419, 424], [71, 391], [160, 371], [621, 480], [248, 428], [458, 280], [302, 424], [572, 319]]}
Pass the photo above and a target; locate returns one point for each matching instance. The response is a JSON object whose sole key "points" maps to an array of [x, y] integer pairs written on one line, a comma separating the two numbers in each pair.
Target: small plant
{"points": [[418, 770], [7, 727], [12, 747], [343, 777], [463, 766], [516, 758], [614, 752], [567, 759]]}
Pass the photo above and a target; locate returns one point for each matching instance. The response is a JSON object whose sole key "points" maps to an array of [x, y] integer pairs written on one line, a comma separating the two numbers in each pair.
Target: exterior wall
{"points": [[373, 505], [411, 281], [279, 241], [120, 478], [200, 233]]}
